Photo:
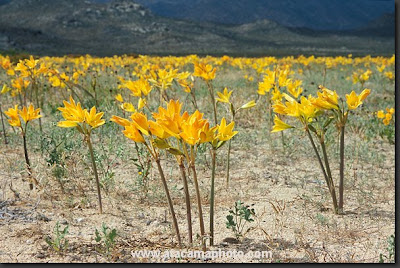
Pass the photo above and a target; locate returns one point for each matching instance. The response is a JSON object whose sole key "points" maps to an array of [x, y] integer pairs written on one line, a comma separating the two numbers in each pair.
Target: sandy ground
{"points": [[302, 229]]}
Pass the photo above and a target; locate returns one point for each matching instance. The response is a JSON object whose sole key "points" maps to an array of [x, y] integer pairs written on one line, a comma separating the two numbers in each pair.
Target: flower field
{"points": [[104, 156]]}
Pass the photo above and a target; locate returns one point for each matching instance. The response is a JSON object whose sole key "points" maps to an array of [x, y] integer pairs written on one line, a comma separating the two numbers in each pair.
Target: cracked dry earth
{"points": [[294, 219]]}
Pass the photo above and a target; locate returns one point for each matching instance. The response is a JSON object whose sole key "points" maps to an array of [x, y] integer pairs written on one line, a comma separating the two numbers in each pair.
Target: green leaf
{"points": [[98, 238], [312, 128], [113, 234], [161, 144], [174, 151], [220, 143], [327, 122]]}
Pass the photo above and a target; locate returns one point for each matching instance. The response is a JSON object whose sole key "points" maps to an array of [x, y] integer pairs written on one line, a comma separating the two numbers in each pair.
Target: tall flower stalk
{"points": [[26, 114], [4, 128], [84, 121], [327, 108], [223, 133], [224, 97], [145, 132], [207, 73]]}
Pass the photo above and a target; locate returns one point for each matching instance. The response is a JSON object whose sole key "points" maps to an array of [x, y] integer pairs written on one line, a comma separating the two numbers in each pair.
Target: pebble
{"points": [[141, 216], [148, 222], [29, 241], [79, 220], [40, 255]]}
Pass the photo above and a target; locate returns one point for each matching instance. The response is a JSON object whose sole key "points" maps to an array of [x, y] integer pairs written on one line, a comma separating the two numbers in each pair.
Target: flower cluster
{"points": [[82, 119], [387, 117]]}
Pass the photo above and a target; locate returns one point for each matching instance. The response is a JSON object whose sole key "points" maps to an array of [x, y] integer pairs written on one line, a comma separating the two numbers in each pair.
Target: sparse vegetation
{"points": [[164, 178]]}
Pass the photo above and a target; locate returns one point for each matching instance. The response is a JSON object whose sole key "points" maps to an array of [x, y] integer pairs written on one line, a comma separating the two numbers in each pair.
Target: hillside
{"points": [[123, 26], [313, 14]]}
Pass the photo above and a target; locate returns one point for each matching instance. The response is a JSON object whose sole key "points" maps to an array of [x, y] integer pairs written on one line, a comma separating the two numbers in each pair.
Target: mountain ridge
{"points": [[123, 26]]}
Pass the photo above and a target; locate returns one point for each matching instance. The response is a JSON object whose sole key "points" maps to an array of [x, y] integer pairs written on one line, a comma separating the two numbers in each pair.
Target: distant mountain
{"points": [[382, 26], [60, 27], [313, 14]]}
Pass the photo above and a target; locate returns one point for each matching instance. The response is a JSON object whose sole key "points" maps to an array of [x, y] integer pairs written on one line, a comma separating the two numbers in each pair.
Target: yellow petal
{"points": [[67, 124]]}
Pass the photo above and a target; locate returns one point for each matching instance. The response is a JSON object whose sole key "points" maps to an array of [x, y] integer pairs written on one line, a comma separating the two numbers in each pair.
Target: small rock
{"points": [[40, 255], [29, 241], [148, 222], [79, 220], [140, 216], [231, 240], [224, 244]]}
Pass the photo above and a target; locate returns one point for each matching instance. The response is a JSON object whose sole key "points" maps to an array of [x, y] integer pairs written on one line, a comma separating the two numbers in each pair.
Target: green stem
{"points": [[4, 128], [333, 195], [341, 181], [170, 204], [214, 154], [211, 91], [28, 163], [228, 163], [196, 185], [95, 172], [194, 98], [187, 200], [271, 120], [38, 104], [331, 186]]}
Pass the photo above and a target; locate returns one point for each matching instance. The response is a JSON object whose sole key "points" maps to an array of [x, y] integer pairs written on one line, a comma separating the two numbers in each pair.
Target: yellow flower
{"points": [[13, 115], [5, 89], [207, 72], [207, 134], [74, 114], [307, 109], [380, 114], [294, 88], [119, 98], [31, 63], [141, 103], [120, 121], [224, 97], [248, 105], [279, 107], [387, 119], [381, 68], [276, 95], [131, 132], [94, 119], [389, 75], [72, 111], [329, 96], [158, 130], [353, 101], [326, 100], [20, 83], [67, 124], [192, 128], [364, 94], [267, 84], [127, 106], [279, 125], [187, 87], [29, 114], [140, 122], [225, 132]]}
